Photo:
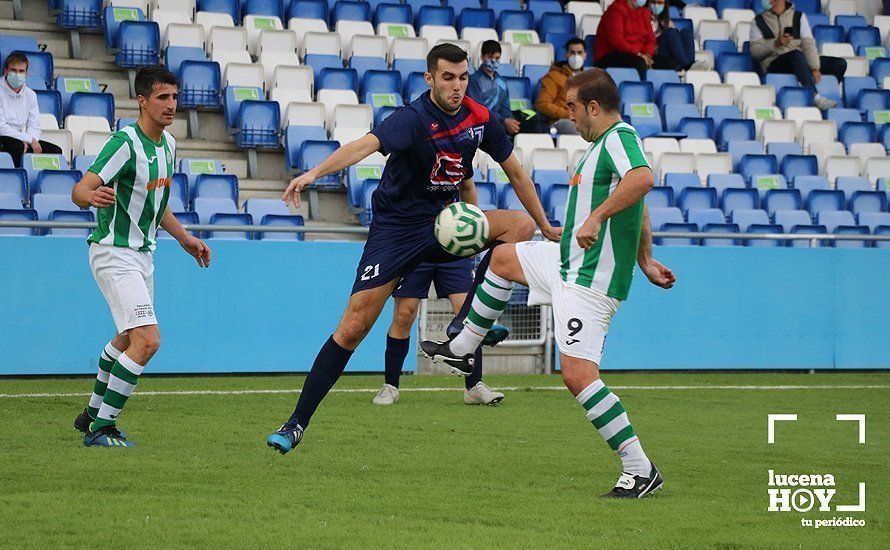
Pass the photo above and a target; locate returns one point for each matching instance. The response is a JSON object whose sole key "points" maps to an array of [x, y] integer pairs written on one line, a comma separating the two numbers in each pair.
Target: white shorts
{"points": [[126, 279], [581, 315]]}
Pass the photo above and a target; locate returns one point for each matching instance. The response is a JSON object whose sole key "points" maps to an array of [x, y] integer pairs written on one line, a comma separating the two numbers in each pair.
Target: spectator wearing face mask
{"points": [[19, 115], [674, 48], [490, 89], [625, 38], [552, 94]]}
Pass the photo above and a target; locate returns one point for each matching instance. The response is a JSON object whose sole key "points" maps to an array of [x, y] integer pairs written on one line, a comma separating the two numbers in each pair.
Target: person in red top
{"points": [[625, 37]]}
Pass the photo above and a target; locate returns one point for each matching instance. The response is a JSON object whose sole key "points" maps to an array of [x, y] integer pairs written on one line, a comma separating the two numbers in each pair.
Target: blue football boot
{"points": [[286, 438]]}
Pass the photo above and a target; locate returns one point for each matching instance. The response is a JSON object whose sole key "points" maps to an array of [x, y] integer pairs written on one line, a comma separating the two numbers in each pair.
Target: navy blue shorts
{"points": [[451, 278], [393, 251]]}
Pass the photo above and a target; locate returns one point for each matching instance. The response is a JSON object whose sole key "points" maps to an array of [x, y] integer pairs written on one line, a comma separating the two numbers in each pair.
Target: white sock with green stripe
{"points": [[488, 303], [121, 383], [607, 414], [106, 362]]}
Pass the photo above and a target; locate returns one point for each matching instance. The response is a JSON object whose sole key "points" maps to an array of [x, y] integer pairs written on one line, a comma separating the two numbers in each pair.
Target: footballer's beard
{"points": [[448, 101]]}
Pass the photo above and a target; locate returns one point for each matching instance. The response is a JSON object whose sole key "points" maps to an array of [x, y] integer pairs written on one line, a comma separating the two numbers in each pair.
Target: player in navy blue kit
{"points": [[431, 143]]}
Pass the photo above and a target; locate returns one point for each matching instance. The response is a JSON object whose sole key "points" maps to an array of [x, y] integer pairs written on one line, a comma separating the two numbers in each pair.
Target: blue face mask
{"points": [[15, 80], [767, 5], [640, 3], [492, 65], [656, 9]]}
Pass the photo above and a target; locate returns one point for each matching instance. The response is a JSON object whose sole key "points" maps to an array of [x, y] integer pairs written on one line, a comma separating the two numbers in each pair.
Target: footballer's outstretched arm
{"points": [[468, 192], [657, 273], [342, 158], [525, 190], [632, 187]]}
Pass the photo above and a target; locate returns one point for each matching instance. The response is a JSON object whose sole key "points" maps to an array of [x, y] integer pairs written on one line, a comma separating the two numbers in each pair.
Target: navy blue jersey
{"points": [[430, 153]]}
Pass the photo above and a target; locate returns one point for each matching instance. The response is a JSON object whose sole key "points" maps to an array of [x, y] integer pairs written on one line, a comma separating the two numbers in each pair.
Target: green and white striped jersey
{"points": [[140, 171], [607, 265]]}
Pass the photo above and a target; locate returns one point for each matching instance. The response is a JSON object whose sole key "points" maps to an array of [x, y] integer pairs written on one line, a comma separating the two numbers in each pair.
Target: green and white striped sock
{"points": [[121, 383], [607, 414], [106, 361], [489, 302]]}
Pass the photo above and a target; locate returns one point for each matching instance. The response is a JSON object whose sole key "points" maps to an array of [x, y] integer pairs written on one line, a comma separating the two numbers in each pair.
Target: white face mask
{"points": [[576, 62]]}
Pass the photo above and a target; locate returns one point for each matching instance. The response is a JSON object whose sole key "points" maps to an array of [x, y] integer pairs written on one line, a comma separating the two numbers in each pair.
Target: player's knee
{"points": [[352, 331], [501, 259], [403, 318], [525, 226], [145, 345]]}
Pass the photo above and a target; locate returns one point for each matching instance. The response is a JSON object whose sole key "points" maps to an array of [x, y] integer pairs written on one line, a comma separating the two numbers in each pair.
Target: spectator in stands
{"points": [[488, 88], [625, 38], [552, 95], [782, 41], [674, 48], [19, 115]]}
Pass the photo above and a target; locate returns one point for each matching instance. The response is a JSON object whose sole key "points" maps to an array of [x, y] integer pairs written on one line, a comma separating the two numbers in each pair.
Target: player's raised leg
{"points": [[398, 343], [106, 361], [361, 313]]}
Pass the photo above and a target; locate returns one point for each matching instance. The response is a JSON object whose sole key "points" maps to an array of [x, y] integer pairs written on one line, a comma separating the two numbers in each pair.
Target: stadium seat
{"points": [[174, 56], [660, 196], [510, 201], [70, 215], [50, 102], [734, 129], [674, 113], [434, 15], [112, 20], [214, 186], [307, 9], [138, 44], [255, 25], [92, 104], [857, 132], [734, 198], [794, 96], [274, 8], [819, 200], [229, 7], [476, 18], [80, 14], [45, 204], [692, 198], [206, 207], [200, 85], [645, 117], [13, 181], [515, 20], [794, 166], [679, 181], [315, 152], [295, 137], [69, 86], [853, 86], [18, 215], [781, 199], [233, 218], [741, 147], [393, 12], [257, 124]]}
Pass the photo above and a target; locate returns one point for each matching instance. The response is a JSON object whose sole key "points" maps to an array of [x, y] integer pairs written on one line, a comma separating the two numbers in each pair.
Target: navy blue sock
{"points": [[394, 358], [328, 366], [476, 376], [458, 322]]}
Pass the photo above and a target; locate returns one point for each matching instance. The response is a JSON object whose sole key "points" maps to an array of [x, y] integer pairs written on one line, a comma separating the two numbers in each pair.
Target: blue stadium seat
{"points": [[383, 104], [734, 198], [113, 19], [720, 47], [722, 112], [820, 200], [756, 221], [874, 100], [138, 44], [741, 147], [434, 15], [191, 168], [308, 9], [500, 5], [540, 8], [535, 73], [880, 69], [866, 201], [734, 4], [645, 117], [475, 17], [10, 201], [258, 124], [697, 197], [368, 188], [179, 191], [69, 86], [338, 79], [232, 99], [781, 199], [682, 23], [414, 86], [70, 215], [731, 61], [873, 220], [186, 218], [80, 14], [259, 208], [885, 136], [680, 181], [381, 82], [745, 218], [274, 8], [215, 186], [589, 45], [828, 33], [809, 7], [716, 227], [205, 207], [363, 64], [350, 11], [636, 92], [508, 199], [752, 165], [200, 85], [515, 20], [623, 74], [32, 164], [847, 22], [230, 7], [14, 181], [558, 41], [806, 184], [319, 62], [545, 179], [843, 115], [722, 182], [780, 80], [794, 96], [660, 196], [556, 22], [294, 137], [357, 174], [697, 128], [733, 129], [17, 215], [487, 194], [221, 218], [314, 153], [660, 216], [853, 85], [864, 37], [44, 204], [660, 77], [782, 148], [92, 104], [829, 87], [520, 90], [857, 132], [674, 113], [842, 222], [5, 160], [49, 102], [277, 220], [393, 13], [678, 241], [790, 218], [175, 55], [55, 182], [794, 166], [675, 94], [408, 66]]}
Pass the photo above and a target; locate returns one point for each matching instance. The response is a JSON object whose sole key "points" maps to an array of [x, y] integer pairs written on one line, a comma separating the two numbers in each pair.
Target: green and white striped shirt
{"points": [[607, 265], [140, 170]]}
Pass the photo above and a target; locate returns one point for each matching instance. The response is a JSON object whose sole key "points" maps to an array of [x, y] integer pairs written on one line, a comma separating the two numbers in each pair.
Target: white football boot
{"points": [[387, 395], [480, 394]]}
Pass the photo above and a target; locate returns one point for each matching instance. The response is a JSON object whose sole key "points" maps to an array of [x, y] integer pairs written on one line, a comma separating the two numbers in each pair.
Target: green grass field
{"points": [[432, 472]]}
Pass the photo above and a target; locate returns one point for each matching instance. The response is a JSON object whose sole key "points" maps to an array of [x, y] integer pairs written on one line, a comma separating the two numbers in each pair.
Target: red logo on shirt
{"points": [[448, 170], [434, 126]]}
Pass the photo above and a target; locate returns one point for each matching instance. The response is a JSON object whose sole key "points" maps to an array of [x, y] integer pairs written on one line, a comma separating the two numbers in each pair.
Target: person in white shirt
{"points": [[19, 115]]}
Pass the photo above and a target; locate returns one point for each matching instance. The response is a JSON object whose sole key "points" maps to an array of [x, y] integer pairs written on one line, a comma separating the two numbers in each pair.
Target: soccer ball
{"points": [[462, 229]]}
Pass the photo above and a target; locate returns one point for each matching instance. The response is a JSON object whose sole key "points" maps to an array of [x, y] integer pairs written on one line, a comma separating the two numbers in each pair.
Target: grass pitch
{"points": [[432, 472]]}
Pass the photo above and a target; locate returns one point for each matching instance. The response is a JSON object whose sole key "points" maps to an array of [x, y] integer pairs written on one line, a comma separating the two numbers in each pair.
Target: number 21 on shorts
{"points": [[370, 272]]}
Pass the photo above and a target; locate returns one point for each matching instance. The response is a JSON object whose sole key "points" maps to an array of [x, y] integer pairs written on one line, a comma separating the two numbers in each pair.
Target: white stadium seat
{"points": [[281, 41], [305, 114], [548, 159], [285, 96], [476, 36], [713, 30], [62, 138], [209, 19], [331, 99], [434, 33], [224, 57], [78, 124], [301, 26], [327, 43], [689, 145], [865, 152], [226, 38], [360, 117], [185, 35], [700, 78], [48, 121], [395, 30], [167, 18], [712, 163], [580, 9], [656, 147], [699, 14], [518, 37], [409, 48], [348, 29], [91, 142], [245, 74], [535, 54], [366, 46], [813, 131], [841, 166], [839, 7], [837, 49], [777, 130], [716, 94], [347, 135], [824, 150], [255, 24], [756, 96], [529, 142], [272, 60], [676, 162], [875, 168], [588, 24], [572, 143], [293, 78]]}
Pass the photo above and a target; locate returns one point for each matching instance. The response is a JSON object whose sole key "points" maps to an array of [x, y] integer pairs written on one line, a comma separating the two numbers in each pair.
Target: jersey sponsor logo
{"points": [[160, 182], [152, 159], [576, 180], [476, 132], [448, 171], [434, 126]]}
